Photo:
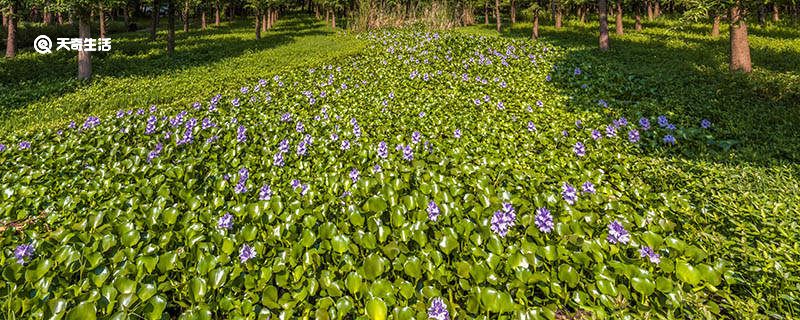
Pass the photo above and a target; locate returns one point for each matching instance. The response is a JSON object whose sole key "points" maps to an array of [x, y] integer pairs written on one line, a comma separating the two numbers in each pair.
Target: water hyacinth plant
{"points": [[150, 222]]}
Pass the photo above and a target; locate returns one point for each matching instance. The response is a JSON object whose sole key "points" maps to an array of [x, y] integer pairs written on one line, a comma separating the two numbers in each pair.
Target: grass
{"points": [[38, 90], [748, 187], [744, 190]]}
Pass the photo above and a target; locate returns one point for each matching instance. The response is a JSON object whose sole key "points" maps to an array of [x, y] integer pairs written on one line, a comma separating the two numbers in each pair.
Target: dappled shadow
{"points": [[32, 77], [649, 75]]}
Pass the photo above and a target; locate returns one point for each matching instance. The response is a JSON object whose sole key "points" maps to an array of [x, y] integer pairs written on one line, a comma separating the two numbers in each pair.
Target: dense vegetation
{"points": [[201, 209]]}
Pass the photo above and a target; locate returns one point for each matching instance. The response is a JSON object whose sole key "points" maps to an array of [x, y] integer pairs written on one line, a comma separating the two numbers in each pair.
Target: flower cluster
{"points": [[503, 219], [544, 220], [617, 233]]}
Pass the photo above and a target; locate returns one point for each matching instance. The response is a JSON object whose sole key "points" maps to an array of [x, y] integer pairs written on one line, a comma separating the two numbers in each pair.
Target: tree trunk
{"points": [[333, 19], [264, 21], [497, 14], [84, 57], [171, 27], [618, 20], [535, 33], [126, 13], [657, 9], [327, 16], [776, 16], [740, 47], [11, 39], [185, 16], [102, 20], [715, 26], [513, 12], [558, 16], [154, 20], [486, 13], [638, 10], [60, 18], [216, 14], [258, 25], [5, 19], [316, 12], [762, 15], [602, 8], [203, 19], [48, 16], [649, 11]]}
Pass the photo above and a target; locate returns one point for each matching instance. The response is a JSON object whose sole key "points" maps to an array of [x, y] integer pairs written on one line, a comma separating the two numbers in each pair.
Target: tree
{"points": [[10, 14], [535, 8], [739, 50], [82, 9], [618, 19], [602, 10], [170, 27], [154, 19], [497, 14]]}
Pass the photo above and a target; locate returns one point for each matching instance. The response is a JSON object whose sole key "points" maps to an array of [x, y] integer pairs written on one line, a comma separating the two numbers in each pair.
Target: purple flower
{"points": [[650, 254], [225, 222], [91, 122], [500, 105], [286, 117], [669, 139], [383, 151], [422, 114], [212, 139], [246, 253], [376, 168], [531, 126], [334, 137], [548, 78], [301, 148], [415, 137], [602, 103], [265, 193], [539, 103], [644, 123], [345, 145], [151, 125], [277, 159], [356, 130], [153, 154], [241, 186], [433, 211], [617, 233], [578, 124], [705, 123], [611, 131], [671, 127], [408, 153], [295, 183], [596, 135], [299, 127], [503, 220], [241, 136], [662, 121], [587, 187], [457, 134], [283, 146], [354, 175], [23, 252], [438, 310], [207, 124], [579, 149], [577, 71], [544, 220], [633, 136], [244, 89], [304, 189], [621, 122], [2, 147], [235, 102], [152, 108], [568, 193], [24, 145]]}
